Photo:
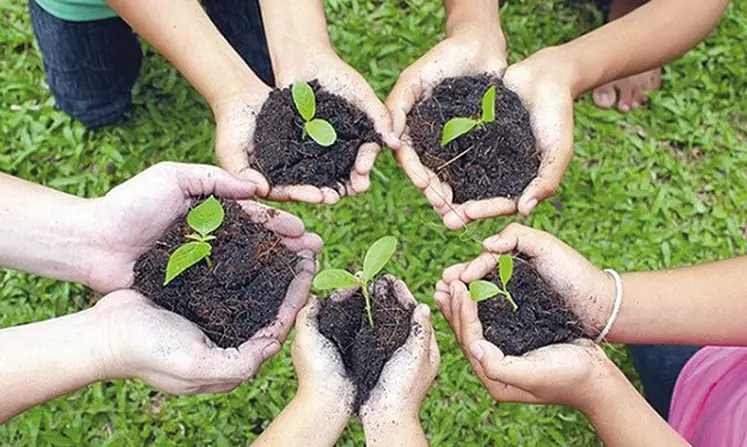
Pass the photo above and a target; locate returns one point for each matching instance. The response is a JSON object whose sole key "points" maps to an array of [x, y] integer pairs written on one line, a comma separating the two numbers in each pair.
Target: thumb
{"points": [[401, 100], [201, 180], [238, 365], [515, 371]]}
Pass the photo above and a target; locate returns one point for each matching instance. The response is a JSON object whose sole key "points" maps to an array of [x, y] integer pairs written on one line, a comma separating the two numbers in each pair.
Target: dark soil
{"points": [[498, 160], [240, 295], [365, 350], [542, 318], [286, 158]]}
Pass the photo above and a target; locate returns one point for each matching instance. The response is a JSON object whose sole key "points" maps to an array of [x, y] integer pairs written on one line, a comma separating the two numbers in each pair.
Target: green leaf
{"points": [[321, 131], [185, 257], [304, 99], [206, 217], [483, 290], [378, 255], [505, 269], [335, 279], [455, 128], [488, 105]]}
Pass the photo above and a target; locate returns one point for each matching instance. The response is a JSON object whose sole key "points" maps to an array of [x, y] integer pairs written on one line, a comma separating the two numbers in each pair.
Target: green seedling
{"points": [[456, 127], [318, 129], [483, 290], [377, 256], [205, 218]]}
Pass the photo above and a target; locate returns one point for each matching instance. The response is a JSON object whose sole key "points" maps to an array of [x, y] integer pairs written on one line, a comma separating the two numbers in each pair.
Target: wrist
{"points": [[84, 237], [477, 19], [333, 414], [390, 429], [92, 345], [604, 389]]}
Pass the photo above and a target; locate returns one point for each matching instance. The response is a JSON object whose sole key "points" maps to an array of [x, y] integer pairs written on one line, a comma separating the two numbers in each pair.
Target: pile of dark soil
{"points": [[498, 160], [542, 318], [285, 157], [365, 349], [240, 295]]}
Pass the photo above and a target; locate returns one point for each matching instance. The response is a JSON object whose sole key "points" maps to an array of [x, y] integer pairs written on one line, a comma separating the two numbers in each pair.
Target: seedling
{"points": [[456, 127], [483, 290], [318, 129], [204, 219], [377, 257]]}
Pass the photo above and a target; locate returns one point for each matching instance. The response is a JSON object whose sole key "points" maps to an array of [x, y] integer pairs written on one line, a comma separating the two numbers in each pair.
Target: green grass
{"points": [[663, 186]]}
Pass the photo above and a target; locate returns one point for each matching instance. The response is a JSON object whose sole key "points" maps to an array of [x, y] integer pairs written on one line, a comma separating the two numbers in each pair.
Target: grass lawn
{"points": [[663, 186]]}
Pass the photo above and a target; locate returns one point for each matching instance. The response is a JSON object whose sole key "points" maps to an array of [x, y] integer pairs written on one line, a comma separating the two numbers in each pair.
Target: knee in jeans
{"points": [[96, 113]]}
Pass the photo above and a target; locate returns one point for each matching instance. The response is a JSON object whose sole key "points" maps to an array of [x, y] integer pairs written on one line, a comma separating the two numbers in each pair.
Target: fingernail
{"points": [[530, 205], [271, 349], [624, 108], [476, 351], [492, 240]]}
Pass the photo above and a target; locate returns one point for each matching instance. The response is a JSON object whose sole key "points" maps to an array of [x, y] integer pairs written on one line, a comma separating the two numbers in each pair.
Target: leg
{"points": [[91, 66], [633, 88], [659, 366], [240, 22]]}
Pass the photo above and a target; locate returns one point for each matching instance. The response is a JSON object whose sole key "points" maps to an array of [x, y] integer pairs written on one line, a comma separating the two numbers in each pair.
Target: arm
{"points": [[309, 419], [396, 430]]}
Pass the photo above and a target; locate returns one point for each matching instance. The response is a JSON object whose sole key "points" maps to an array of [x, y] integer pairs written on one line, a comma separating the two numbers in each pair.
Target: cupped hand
{"points": [[588, 291], [571, 374], [407, 376], [464, 54], [142, 340], [337, 77]]}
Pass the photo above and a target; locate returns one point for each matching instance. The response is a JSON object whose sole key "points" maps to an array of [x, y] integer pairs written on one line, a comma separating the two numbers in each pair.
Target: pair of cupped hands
{"points": [[141, 340], [543, 86]]}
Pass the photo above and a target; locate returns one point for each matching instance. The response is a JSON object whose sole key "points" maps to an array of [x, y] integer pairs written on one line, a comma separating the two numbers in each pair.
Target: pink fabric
{"points": [[709, 403]]}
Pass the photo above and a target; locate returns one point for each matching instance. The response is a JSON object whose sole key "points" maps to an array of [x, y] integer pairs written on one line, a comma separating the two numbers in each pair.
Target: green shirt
{"points": [[78, 10]]}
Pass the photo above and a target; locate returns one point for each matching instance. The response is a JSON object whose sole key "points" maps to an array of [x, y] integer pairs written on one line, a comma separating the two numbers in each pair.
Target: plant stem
{"points": [[367, 296], [209, 262], [510, 299]]}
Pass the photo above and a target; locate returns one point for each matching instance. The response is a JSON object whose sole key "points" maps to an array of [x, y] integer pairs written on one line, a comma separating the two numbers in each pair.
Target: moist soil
{"points": [[542, 318], [365, 349], [497, 160], [241, 294], [285, 157]]}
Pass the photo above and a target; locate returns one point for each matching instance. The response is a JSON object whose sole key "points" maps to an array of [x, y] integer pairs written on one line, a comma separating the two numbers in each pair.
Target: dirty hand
{"points": [[471, 50], [141, 340], [544, 82], [405, 379], [588, 291], [573, 374]]}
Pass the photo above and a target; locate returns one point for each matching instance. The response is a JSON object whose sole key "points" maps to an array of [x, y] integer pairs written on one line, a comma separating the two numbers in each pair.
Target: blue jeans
{"points": [[92, 66], [659, 366]]}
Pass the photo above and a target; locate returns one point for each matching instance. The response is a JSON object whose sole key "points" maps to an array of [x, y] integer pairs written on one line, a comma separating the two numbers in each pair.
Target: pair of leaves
{"points": [[318, 129], [456, 127], [376, 259], [204, 219], [483, 290]]}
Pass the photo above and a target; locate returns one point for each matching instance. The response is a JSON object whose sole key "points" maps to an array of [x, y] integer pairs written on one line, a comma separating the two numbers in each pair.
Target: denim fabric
{"points": [[659, 366], [92, 66]]}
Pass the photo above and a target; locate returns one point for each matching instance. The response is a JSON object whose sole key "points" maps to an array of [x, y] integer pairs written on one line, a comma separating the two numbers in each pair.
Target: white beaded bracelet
{"points": [[615, 306]]}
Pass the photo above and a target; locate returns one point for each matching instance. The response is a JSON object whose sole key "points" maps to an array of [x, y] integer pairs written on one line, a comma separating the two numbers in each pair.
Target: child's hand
{"points": [[571, 374], [141, 340], [587, 290]]}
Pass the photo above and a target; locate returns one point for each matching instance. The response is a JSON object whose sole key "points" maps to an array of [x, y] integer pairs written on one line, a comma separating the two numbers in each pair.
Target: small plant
{"points": [[456, 127], [204, 219], [318, 129], [483, 290], [377, 256]]}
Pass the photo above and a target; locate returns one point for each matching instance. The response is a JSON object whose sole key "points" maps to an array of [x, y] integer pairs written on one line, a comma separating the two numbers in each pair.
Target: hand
{"points": [[471, 52], [141, 340], [544, 83], [406, 377], [573, 374], [339, 78], [588, 291]]}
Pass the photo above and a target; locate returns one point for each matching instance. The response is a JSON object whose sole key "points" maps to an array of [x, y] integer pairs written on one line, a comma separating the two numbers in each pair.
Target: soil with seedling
{"points": [[240, 295], [365, 349], [286, 157], [496, 160], [542, 318]]}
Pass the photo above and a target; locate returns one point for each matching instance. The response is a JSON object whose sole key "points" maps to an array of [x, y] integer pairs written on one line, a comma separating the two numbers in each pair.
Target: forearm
{"points": [[296, 31], [394, 431], [474, 17], [647, 37], [706, 304], [184, 34], [41, 361], [44, 231], [623, 418], [315, 422]]}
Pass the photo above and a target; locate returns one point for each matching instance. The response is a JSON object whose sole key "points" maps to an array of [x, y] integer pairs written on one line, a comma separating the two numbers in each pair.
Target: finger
{"points": [[441, 299], [366, 158], [401, 292], [483, 209], [410, 162], [297, 193], [218, 389], [236, 162], [234, 365], [421, 331], [280, 222], [402, 98], [344, 294], [203, 180], [367, 101], [436, 194], [359, 183], [459, 293], [305, 246], [329, 196], [500, 391], [454, 272], [469, 323], [517, 237], [479, 268]]}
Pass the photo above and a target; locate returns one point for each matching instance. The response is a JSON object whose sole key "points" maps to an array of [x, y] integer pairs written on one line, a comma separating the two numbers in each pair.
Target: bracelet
{"points": [[615, 307]]}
